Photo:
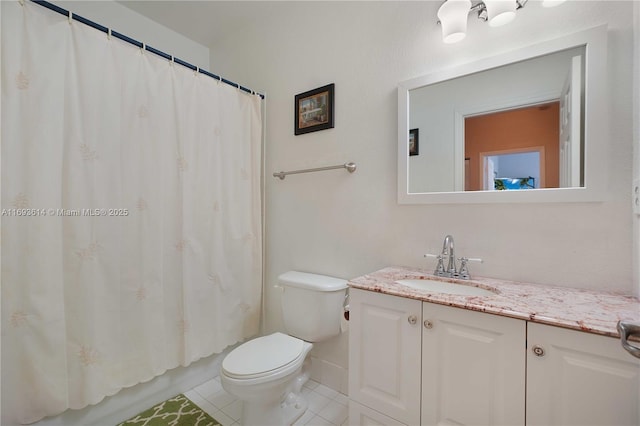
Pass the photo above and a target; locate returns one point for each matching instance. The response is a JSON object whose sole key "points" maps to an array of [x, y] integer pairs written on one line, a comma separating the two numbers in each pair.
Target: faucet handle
{"points": [[439, 271], [464, 270], [470, 259]]}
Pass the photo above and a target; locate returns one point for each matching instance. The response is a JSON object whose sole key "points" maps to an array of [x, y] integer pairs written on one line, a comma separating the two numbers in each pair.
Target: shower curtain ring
{"points": [[143, 48], [108, 33], [70, 17], [21, 2]]}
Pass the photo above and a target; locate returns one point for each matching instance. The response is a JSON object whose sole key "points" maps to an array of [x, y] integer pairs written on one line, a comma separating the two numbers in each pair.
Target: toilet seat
{"points": [[267, 356]]}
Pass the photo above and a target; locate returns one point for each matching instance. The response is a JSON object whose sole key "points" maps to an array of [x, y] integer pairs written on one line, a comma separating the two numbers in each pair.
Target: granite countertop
{"points": [[586, 310]]}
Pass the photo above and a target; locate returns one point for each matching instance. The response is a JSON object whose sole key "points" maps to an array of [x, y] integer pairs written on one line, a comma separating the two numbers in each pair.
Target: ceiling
{"points": [[207, 22]]}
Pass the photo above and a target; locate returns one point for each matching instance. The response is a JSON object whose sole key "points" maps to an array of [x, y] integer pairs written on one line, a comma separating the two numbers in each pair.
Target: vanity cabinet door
{"points": [[384, 354], [576, 378], [473, 368]]}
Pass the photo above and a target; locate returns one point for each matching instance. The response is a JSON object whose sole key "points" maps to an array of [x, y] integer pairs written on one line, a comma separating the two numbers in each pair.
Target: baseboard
{"points": [[330, 375]]}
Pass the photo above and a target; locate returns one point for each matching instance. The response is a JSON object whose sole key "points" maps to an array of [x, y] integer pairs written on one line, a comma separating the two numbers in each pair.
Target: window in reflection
{"points": [[513, 171]]}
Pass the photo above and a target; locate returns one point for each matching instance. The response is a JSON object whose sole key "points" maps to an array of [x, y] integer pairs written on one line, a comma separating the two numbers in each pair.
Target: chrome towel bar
{"points": [[351, 167]]}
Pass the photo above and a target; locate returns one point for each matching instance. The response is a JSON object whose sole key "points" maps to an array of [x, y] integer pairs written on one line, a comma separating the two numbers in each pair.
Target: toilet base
{"points": [[278, 403], [287, 412]]}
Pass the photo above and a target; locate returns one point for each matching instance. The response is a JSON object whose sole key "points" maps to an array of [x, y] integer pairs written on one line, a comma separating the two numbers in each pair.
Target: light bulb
{"points": [[453, 19], [500, 12]]}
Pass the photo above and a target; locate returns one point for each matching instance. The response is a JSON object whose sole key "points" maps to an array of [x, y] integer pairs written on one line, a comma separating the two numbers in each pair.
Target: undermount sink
{"points": [[433, 286]]}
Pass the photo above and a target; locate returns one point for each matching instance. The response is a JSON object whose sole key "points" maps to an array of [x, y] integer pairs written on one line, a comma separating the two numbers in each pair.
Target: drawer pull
{"points": [[428, 324], [412, 319], [538, 350]]}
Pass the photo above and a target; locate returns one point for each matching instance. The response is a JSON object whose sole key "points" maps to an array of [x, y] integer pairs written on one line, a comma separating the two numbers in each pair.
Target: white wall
{"points": [[347, 225]]}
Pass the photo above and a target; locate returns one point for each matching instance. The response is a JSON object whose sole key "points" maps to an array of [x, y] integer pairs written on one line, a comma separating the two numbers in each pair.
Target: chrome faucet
{"points": [[448, 254]]}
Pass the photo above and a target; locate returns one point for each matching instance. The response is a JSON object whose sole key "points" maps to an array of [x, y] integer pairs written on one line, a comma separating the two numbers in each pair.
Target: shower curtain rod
{"points": [[141, 45]]}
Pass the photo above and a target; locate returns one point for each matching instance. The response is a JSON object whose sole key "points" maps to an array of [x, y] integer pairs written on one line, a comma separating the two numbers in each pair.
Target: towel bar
{"points": [[351, 167]]}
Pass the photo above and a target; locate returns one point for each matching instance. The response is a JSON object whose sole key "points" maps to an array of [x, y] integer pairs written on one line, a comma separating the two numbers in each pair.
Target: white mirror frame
{"points": [[595, 125]]}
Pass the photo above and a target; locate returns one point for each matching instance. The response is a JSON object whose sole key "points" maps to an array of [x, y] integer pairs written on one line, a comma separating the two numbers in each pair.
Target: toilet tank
{"points": [[312, 305]]}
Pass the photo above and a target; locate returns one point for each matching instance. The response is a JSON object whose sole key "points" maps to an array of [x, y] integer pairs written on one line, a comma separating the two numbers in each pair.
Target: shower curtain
{"points": [[131, 214]]}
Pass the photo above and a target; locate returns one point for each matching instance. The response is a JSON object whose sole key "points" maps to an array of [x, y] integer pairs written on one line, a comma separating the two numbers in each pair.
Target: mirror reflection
{"points": [[515, 127]]}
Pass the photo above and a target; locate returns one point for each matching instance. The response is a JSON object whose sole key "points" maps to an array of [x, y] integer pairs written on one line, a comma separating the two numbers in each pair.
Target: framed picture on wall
{"points": [[413, 142], [314, 110]]}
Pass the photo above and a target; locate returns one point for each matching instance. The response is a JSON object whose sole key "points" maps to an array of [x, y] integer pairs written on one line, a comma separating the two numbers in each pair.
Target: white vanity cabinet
{"points": [[472, 368], [456, 366], [413, 363], [384, 355], [576, 378]]}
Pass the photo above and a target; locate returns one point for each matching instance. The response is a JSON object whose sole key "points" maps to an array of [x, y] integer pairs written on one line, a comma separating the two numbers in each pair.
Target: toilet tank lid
{"points": [[312, 281]]}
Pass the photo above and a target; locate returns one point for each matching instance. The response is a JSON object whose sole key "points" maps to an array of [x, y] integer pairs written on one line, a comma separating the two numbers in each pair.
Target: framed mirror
{"points": [[525, 126]]}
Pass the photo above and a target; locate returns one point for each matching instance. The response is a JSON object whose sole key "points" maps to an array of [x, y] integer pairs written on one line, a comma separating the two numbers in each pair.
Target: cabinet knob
{"points": [[412, 319], [537, 350], [428, 324]]}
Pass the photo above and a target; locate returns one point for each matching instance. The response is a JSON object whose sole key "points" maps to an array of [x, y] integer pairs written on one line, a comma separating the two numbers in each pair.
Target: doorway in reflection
{"points": [[517, 144]]}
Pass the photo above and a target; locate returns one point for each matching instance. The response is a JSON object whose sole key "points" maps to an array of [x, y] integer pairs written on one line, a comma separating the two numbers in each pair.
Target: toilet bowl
{"points": [[267, 373]]}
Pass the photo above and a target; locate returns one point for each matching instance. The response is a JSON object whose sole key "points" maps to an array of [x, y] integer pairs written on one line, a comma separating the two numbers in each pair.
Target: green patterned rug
{"points": [[177, 411]]}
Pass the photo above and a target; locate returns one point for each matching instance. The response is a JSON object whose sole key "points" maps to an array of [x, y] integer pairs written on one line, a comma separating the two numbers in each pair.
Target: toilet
{"points": [[267, 373]]}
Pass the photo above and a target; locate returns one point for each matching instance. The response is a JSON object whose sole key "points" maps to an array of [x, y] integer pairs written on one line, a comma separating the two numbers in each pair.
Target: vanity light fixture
{"points": [[500, 12], [551, 3], [453, 14]]}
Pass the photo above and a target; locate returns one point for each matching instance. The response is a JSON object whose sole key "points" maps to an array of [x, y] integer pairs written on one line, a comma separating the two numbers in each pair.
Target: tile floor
{"points": [[327, 407]]}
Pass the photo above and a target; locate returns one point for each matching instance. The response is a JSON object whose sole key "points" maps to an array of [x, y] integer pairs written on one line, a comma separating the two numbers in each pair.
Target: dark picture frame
{"points": [[314, 110], [414, 146]]}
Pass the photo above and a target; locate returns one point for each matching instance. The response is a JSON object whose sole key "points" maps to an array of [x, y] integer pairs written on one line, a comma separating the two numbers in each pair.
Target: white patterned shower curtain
{"points": [[131, 214]]}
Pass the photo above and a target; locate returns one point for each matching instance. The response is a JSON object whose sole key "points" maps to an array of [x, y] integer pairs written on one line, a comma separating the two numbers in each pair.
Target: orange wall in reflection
{"points": [[514, 130]]}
